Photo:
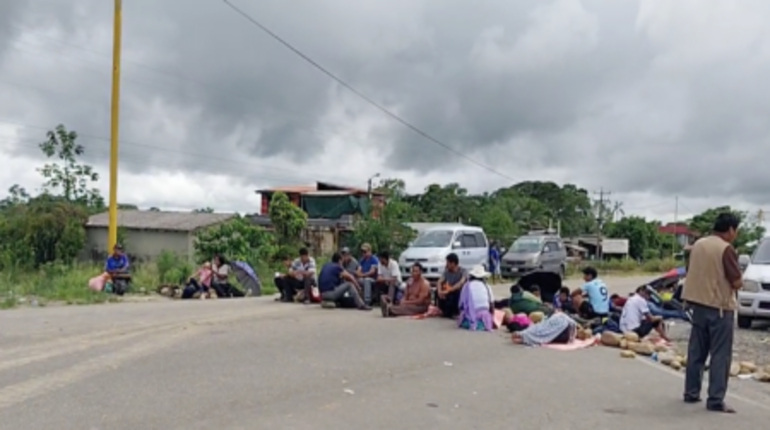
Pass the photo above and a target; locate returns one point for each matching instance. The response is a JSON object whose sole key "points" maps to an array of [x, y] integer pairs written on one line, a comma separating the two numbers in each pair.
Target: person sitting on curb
{"points": [[636, 316], [117, 267], [389, 281], [334, 283], [301, 277], [367, 272]]}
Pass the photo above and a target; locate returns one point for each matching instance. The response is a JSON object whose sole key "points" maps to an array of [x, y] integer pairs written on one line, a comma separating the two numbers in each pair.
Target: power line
{"points": [[361, 95]]}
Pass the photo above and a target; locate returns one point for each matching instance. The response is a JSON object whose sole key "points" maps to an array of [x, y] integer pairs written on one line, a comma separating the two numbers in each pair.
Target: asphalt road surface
{"points": [[257, 364]]}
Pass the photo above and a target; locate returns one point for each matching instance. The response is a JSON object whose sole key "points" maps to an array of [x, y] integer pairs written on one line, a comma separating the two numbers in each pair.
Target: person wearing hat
{"points": [[366, 274], [349, 263], [477, 306]]}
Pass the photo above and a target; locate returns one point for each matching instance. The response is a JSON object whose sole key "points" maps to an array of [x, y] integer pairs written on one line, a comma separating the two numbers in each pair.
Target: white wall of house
{"points": [[143, 244]]}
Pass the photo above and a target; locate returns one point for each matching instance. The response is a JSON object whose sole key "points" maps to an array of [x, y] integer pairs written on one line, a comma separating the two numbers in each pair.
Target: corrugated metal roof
{"points": [[153, 220]]}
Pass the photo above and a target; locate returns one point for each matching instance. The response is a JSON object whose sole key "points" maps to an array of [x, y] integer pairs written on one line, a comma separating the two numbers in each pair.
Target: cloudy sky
{"points": [[650, 99]]}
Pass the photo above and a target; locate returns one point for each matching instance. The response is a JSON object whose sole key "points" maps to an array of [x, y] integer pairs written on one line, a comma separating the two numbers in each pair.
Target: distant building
{"points": [[148, 233], [324, 200], [684, 236]]}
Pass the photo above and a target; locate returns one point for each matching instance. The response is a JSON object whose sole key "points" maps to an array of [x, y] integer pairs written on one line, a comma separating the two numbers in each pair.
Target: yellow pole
{"points": [[115, 116]]}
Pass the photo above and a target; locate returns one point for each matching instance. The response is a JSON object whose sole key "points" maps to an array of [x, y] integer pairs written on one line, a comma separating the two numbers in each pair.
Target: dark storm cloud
{"points": [[634, 88]]}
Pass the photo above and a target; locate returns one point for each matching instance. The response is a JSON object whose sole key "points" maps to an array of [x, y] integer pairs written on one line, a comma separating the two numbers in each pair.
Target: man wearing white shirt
{"points": [[388, 277], [636, 316]]}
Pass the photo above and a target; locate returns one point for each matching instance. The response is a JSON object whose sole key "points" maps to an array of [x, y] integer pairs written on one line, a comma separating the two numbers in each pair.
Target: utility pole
{"points": [[112, 237], [676, 225], [600, 221], [369, 185]]}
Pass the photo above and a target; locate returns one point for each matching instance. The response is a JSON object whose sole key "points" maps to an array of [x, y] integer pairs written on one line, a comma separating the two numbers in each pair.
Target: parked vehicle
{"points": [[754, 298], [537, 250], [433, 245]]}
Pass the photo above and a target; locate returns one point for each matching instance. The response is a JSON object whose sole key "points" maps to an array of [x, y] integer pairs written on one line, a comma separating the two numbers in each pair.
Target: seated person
{"points": [[563, 301], [597, 292], [636, 316], [558, 328], [334, 283], [388, 278], [199, 282], [584, 312], [282, 280], [367, 272], [616, 303], [450, 284], [524, 302], [220, 281], [477, 302], [416, 296], [117, 267], [301, 277]]}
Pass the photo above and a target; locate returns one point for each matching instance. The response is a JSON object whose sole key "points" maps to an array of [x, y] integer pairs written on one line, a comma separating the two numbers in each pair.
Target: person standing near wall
{"points": [[713, 279]]}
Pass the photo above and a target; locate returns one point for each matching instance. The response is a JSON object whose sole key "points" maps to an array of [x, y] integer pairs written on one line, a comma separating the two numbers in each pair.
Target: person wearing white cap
{"points": [[477, 302]]}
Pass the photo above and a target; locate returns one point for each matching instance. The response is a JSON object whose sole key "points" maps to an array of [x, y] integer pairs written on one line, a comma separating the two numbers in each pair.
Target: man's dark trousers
{"points": [[711, 334]]}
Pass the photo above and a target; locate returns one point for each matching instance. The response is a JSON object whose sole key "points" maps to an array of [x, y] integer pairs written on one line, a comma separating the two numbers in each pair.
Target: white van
{"points": [[433, 245], [754, 298]]}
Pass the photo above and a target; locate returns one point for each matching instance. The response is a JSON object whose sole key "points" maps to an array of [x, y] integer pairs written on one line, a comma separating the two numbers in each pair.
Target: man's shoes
{"points": [[365, 308], [723, 408], [690, 399], [328, 305]]}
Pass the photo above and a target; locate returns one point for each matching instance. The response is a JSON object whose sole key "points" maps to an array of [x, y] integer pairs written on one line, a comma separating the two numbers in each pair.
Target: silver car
{"points": [[754, 298], [534, 251]]}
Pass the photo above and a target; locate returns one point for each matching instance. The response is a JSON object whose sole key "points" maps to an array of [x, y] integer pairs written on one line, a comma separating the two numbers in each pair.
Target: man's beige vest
{"points": [[706, 283]]}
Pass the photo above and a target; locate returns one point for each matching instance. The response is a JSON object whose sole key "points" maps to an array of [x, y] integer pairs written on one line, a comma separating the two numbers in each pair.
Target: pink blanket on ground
{"points": [[572, 346]]}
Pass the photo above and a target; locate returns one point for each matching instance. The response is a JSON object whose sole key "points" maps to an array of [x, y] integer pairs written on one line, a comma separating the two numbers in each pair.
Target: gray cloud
{"points": [[640, 96]]}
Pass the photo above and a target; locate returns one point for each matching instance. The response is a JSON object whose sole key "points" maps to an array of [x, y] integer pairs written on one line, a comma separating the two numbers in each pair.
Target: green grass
{"points": [[68, 284]]}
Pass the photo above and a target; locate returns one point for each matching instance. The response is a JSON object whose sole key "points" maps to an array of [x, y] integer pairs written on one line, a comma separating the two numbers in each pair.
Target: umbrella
{"points": [[548, 282], [679, 272], [248, 278]]}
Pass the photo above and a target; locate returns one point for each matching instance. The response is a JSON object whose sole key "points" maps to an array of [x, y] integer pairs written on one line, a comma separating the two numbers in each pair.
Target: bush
{"points": [[654, 265]]}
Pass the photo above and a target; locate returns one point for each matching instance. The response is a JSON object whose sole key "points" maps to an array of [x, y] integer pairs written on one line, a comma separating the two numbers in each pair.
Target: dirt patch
{"points": [[748, 345]]}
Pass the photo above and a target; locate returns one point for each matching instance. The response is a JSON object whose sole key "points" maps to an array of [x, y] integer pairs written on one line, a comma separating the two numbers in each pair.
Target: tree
{"points": [[288, 220], [750, 231], [644, 240], [238, 239], [17, 195], [72, 180], [206, 210]]}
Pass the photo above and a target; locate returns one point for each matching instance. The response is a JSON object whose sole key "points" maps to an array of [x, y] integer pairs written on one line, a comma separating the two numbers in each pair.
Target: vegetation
{"points": [[42, 235]]}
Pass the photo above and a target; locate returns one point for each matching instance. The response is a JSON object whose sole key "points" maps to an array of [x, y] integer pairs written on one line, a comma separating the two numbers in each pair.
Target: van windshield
{"points": [[434, 239], [762, 254], [527, 244]]}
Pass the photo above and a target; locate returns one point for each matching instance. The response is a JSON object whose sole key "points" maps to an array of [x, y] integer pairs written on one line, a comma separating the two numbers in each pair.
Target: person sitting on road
{"points": [[199, 283], [117, 267], [349, 263], [281, 280], [220, 282], [367, 272], [416, 299], [301, 277], [449, 286], [388, 278], [524, 302], [334, 283], [597, 292], [563, 301], [636, 316], [584, 312], [477, 302]]}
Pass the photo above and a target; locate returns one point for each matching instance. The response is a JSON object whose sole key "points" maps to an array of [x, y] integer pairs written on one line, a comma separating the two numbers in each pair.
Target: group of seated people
{"points": [[590, 306], [212, 279], [465, 295]]}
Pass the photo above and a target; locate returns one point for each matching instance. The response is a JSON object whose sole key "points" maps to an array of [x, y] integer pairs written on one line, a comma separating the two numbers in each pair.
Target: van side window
{"points": [[551, 247], [481, 241], [468, 240]]}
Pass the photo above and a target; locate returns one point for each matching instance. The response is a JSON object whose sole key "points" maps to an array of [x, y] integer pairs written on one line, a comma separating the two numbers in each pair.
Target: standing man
{"points": [[367, 273], [450, 284], [713, 280]]}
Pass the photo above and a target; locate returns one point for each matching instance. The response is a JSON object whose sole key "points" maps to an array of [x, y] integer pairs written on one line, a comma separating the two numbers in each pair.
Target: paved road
{"points": [[256, 364]]}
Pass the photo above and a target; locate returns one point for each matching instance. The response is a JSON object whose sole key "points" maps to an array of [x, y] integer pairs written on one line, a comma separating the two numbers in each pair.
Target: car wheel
{"points": [[744, 322]]}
